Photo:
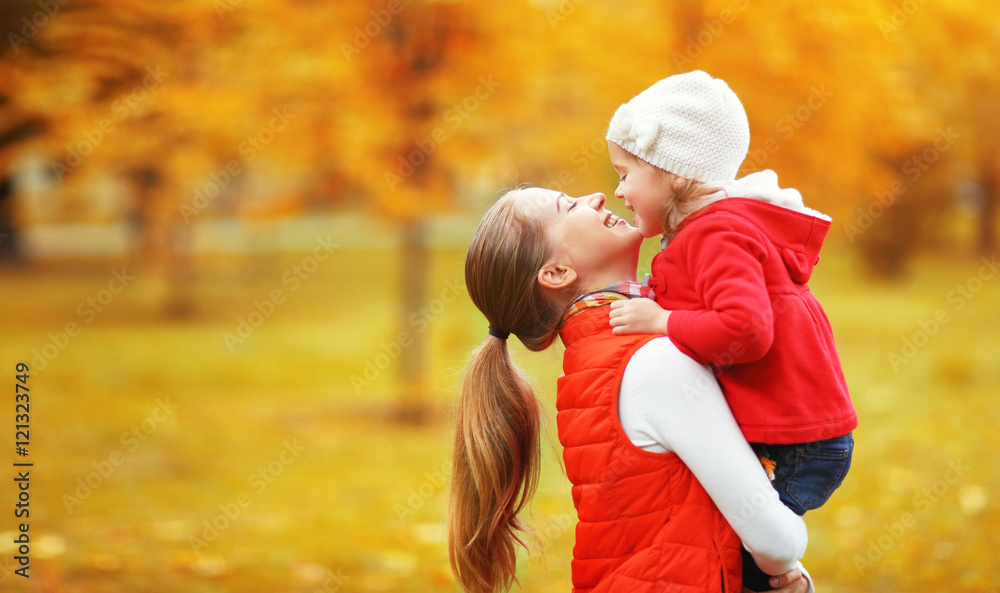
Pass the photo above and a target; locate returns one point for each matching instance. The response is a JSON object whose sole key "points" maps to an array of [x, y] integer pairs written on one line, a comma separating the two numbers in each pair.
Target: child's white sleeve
{"points": [[669, 402]]}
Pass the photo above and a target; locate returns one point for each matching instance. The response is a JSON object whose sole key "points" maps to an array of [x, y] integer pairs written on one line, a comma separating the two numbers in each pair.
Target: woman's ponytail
{"points": [[496, 459], [495, 469]]}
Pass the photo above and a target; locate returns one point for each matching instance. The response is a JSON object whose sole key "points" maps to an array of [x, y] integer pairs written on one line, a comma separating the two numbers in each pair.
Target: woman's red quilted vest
{"points": [[645, 523]]}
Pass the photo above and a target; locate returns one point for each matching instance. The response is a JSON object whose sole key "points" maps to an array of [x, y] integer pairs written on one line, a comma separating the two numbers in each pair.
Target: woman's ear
{"points": [[556, 276]]}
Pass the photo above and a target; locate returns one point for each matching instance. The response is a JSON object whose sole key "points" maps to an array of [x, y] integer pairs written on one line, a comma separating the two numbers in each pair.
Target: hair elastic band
{"points": [[499, 333]]}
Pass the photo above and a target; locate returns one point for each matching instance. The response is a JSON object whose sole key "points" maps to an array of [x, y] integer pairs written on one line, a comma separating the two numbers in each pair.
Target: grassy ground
{"points": [[166, 459]]}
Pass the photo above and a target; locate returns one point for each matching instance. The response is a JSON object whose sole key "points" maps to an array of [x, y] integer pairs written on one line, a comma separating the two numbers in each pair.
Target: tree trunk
{"points": [[161, 244], [415, 268], [987, 241], [9, 251]]}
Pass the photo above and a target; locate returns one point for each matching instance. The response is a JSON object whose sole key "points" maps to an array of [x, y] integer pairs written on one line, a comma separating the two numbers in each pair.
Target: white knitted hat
{"points": [[689, 124]]}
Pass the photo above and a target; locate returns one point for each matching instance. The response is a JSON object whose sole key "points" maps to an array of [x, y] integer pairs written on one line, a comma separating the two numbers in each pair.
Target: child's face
{"points": [[645, 189]]}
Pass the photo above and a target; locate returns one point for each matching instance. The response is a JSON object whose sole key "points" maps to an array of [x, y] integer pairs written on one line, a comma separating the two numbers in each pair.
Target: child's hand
{"points": [[638, 316]]}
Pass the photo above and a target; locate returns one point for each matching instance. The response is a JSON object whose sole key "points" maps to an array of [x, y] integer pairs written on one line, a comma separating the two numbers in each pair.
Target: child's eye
{"points": [[571, 206]]}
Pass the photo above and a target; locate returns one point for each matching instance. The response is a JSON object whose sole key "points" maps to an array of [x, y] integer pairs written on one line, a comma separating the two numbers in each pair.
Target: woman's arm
{"points": [[669, 402]]}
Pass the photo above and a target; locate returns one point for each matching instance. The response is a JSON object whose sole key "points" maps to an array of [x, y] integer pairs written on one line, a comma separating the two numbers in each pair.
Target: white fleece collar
{"points": [[763, 186]]}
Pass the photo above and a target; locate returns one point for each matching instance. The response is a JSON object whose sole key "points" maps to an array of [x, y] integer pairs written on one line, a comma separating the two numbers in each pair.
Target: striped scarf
{"points": [[605, 295]]}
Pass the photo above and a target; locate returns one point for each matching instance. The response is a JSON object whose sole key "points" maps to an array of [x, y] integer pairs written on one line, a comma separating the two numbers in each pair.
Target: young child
{"points": [[730, 282]]}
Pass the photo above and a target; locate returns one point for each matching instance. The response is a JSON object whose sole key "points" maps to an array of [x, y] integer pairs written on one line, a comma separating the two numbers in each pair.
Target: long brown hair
{"points": [[497, 445]]}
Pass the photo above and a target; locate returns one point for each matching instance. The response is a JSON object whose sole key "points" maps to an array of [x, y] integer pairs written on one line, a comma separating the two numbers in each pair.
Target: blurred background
{"points": [[232, 236]]}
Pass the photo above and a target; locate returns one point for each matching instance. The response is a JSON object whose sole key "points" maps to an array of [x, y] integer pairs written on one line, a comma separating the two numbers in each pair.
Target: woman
{"points": [[636, 432]]}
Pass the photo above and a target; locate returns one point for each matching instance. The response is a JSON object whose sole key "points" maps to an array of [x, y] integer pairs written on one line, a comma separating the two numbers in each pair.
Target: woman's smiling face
{"points": [[597, 244]]}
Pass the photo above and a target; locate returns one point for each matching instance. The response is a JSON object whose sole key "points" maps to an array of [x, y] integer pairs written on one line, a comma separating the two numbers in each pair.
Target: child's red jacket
{"points": [[735, 280]]}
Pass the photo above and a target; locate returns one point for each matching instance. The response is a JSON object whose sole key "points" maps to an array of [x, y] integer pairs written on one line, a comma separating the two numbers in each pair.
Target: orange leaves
{"points": [[423, 106]]}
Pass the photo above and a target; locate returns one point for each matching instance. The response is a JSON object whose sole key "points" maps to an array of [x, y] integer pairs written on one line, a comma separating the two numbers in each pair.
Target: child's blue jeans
{"points": [[805, 476]]}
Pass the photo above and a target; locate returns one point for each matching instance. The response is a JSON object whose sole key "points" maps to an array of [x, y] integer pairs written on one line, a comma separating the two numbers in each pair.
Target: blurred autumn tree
{"points": [[81, 73], [404, 57], [173, 113], [961, 89], [841, 91], [944, 165]]}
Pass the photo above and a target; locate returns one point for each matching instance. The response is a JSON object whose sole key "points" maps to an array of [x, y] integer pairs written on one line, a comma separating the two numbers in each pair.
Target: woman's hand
{"points": [[790, 582], [638, 316]]}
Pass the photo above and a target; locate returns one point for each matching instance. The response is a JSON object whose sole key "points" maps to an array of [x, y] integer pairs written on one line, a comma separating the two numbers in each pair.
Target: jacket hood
{"points": [[796, 230]]}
